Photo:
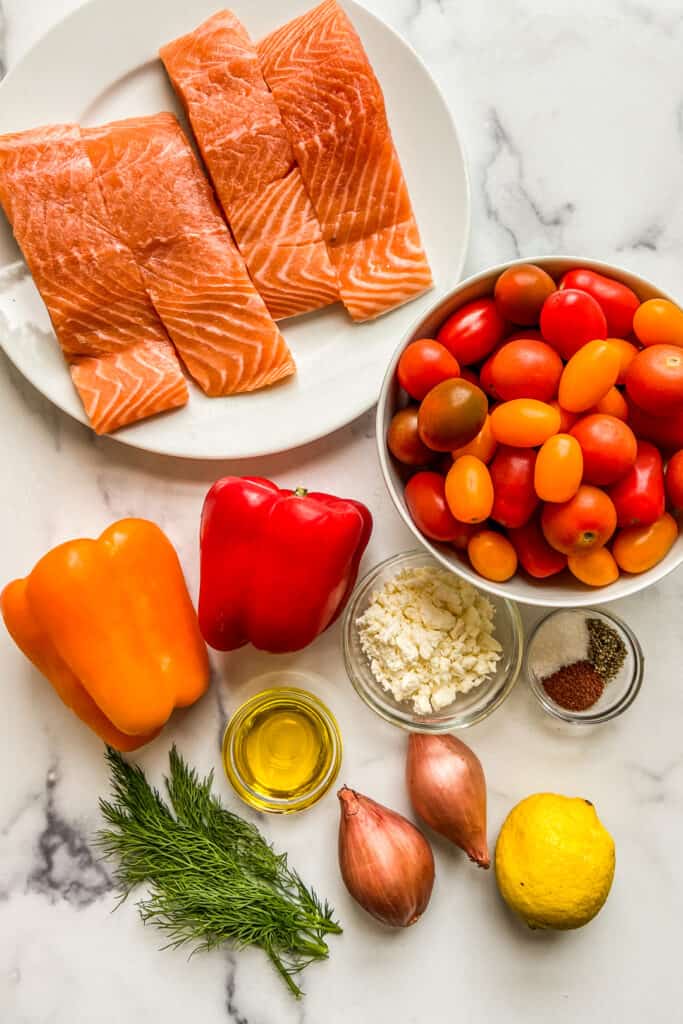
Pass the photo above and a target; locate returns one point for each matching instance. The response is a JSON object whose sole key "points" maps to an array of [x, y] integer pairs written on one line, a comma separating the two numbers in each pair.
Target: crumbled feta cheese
{"points": [[428, 635]]}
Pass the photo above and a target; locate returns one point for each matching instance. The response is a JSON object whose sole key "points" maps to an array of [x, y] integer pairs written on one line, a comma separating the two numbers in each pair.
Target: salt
{"points": [[562, 639]]}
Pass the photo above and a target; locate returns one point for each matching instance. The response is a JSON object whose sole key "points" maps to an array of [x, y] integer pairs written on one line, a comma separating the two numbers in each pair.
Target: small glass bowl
{"points": [[619, 693], [315, 788], [468, 708]]}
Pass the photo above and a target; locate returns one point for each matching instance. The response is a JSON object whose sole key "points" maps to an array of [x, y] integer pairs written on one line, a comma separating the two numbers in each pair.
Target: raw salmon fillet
{"points": [[216, 72], [121, 359], [162, 207], [333, 108]]}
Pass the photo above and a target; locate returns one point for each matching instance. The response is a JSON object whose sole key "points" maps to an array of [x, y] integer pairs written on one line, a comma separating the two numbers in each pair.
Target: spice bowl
{"points": [[468, 708], [618, 693]]}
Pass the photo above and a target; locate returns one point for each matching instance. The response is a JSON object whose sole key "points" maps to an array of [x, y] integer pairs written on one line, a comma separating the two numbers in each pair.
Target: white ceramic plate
{"points": [[100, 64]]}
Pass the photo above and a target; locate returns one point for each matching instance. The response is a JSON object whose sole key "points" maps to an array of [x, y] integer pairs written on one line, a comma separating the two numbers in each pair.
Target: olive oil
{"points": [[282, 750]]}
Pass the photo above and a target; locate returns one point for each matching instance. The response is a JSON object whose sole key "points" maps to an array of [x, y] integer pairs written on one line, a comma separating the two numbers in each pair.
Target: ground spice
{"points": [[575, 687], [606, 649]]}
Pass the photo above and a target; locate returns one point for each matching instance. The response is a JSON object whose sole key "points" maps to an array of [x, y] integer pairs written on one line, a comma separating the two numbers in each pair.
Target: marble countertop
{"points": [[572, 118]]}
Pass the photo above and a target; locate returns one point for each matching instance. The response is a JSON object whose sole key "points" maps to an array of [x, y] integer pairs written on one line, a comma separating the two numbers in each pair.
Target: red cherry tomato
{"points": [[486, 376], [654, 380], [666, 431], [609, 448], [533, 551], [569, 319], [471, 375], [525, 369], [512, 473], [526, 334], [472, 332], [425, 496], [423, 365], [616, 300], [639, 496], [674, 480], [585, 522], [521, 291]]}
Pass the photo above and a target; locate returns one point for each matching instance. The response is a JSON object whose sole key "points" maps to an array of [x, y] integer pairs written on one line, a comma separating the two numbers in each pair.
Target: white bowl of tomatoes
{"points": [[530, 431]]}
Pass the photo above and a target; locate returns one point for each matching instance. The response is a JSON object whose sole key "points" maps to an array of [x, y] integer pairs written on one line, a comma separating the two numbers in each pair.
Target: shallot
{"points": [[448, 791], [386, 863]]}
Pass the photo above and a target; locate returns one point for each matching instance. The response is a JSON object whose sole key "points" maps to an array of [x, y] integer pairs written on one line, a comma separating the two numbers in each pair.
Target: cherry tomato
{"points": [[666, 431], [472, 332], [524, 422], [659, 322], [586, 521], [533, 551], [425, 496], [612, 404], [525, 369], [521, 291], [465, 532], [617, 301], [486, 376], [654, 379], [589, 375], [596, 568], [452, 414], [527, 334], [569, 319], [639, 496], [627, 353], [469, 491], [674, 480], [403, 440], [423, 365], [639, 548], [567, 419], [512, 473], [492, 556], [609, 448], [483, 446], [559, 468], [471, 375]]}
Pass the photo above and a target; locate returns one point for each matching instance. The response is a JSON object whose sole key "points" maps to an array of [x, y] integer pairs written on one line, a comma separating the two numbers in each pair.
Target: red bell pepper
{"points": [[277, 566], [533, 551], [639, 496]]}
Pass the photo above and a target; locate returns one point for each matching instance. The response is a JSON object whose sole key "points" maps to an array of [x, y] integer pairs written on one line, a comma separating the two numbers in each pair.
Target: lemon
{"points": [[554, 861]]}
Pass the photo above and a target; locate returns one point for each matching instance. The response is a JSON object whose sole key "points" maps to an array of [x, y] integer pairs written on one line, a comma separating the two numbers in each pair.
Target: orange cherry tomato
{"points": [[465, 532], [586, 521], [492, 556], [638, 548], [525, 368], [612, 404], [589, 375], [597, 568], [469, 490], [559, 468], [567, 419], [483, 446], [424, 364], [521, 291], [627, 353], [659, 322], [524, 422]]}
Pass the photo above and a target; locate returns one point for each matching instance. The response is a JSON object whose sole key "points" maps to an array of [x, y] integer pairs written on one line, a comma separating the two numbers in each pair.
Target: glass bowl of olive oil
{"points": [[282, 750]]}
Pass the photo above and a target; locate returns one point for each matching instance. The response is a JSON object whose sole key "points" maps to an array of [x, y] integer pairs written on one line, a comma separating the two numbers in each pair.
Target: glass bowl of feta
{"points": [[427, 650]]}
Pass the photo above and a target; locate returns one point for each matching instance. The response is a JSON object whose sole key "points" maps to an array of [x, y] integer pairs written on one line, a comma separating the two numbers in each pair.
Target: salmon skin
{"points": [[333, 108], [163, 208], [216, 73], [121, 360]]}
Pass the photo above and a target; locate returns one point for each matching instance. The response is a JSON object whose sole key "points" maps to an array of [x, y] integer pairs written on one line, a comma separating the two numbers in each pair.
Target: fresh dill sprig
{"points": [[212, 877]]}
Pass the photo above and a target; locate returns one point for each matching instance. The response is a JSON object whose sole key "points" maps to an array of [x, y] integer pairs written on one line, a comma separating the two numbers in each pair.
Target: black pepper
{"points": [[606, 649]]}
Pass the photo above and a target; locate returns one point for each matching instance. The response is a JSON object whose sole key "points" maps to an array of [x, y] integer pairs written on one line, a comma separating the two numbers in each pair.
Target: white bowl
{"points": [[561, 591]]}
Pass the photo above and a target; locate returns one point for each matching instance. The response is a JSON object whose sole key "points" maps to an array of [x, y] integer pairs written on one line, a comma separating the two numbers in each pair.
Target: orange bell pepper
{"points": [[111, 625]]}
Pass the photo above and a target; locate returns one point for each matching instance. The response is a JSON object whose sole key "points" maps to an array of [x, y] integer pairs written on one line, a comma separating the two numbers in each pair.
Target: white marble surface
{"points": [[572, 116]]}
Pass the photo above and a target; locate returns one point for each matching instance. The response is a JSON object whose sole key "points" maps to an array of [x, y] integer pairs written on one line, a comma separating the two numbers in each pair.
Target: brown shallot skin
{"points": [[385, 861], [448, 791]]}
